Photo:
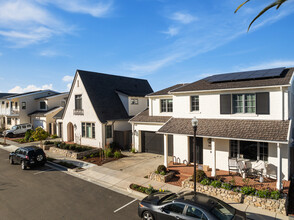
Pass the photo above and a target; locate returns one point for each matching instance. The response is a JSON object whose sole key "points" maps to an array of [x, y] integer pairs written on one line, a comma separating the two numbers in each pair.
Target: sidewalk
{"points": [[118, 181]]}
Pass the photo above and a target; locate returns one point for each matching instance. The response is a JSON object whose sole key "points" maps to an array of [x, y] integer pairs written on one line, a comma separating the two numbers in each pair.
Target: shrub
{"points": [[117, 154], [67, 146], [227, 186], [237, 189], [48, 142], [84, 158], [108, 152], [57, 143], [247, 190], [133, 150], [28, 134], [275, 194], [150, 190], [156, 171], [31, 139], [200, 175], [54, 136], [263, 193], [216, 184], [233, 181], [92, 155], [162, 173], [72, 147], [161, 168], [205, 182], [40, 134]]}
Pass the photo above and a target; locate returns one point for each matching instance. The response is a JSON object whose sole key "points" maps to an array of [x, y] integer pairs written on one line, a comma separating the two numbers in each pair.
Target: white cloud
{"points": [[91, 7], [48, 53], [26, 22], [67, 78], [172, 31], [270, 64], [184, 18], [29, 88]]}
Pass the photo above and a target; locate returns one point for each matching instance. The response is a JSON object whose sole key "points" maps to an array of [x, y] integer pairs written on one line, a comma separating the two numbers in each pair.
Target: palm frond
{"points": [[262, 12], [241, 5]]}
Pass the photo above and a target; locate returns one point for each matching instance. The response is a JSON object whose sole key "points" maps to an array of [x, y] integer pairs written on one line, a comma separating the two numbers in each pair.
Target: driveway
{"points": [[139, 164]]}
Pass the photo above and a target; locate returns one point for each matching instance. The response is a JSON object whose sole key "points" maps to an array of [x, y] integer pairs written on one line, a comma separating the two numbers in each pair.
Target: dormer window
{"points": [[43, 105], [134, 101], [166, 105]]}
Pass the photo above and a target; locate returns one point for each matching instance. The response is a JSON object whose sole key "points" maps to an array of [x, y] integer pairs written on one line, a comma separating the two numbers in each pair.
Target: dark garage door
{"points": [[153, 143]]}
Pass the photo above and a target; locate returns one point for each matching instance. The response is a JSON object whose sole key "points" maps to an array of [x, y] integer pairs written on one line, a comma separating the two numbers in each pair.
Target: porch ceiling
{"points": [[263, 130]]}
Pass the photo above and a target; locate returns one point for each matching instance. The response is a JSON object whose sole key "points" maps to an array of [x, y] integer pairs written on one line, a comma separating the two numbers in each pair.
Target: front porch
{"points": [[185, 171]]}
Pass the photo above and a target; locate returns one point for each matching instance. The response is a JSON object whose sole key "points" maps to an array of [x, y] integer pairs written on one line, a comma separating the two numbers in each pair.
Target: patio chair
{"points": [[233, 165]]}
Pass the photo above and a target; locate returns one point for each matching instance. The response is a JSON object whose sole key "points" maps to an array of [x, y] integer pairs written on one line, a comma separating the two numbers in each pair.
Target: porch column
{"points": [[165, 145], [213, 171], [279, 167]]}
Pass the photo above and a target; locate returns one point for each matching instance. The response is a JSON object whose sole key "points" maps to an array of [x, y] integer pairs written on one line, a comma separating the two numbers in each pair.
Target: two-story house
{"points": [[36, 107], [99, 108], [246, 115]]}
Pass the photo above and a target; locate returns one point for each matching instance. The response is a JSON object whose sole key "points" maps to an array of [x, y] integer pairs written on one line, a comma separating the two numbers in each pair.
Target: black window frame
{"points": [[23, 105], [41, 106], [108, 131], [85, 133]]}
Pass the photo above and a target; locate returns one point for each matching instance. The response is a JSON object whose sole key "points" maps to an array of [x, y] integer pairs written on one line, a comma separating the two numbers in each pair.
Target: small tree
{"points": [[40, 134]]}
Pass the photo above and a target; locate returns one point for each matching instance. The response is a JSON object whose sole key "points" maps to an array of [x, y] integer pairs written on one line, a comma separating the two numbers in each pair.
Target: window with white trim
{"points": [[194, 103], [134, 101], [88, 130], [244, 103], [166, 105]]}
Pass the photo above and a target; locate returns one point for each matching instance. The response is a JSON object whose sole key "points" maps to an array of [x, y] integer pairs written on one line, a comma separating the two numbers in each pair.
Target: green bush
{"points": [[150, 190], [133, 150], [263, 193], [108, 152], [162, 173], [216, 184], [248, 190], [48, 142], [84, 158], [57, 143], [40, 134], [200, 175], [161, 168], [275, 194], [31, 139], [53, 136], [117, 154], [205, 182], [237, 189], [72, 147], [227, 186], [28, 134]]}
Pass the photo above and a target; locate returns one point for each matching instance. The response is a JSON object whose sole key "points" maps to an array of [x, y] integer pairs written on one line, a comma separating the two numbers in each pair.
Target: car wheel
{"points": [[23, 166], [40, 157], [11, 160], [10, 135], [147, 216]]}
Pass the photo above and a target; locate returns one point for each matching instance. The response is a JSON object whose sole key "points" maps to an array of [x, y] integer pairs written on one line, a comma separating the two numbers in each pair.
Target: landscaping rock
{"points": [[161, 178]]}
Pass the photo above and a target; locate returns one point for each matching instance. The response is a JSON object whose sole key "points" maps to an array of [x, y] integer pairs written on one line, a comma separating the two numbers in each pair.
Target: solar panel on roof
{"points": [[255, 74]]}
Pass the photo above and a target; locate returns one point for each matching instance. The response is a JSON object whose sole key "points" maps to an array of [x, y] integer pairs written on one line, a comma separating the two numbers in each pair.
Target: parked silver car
{"points": [[17, 130]]}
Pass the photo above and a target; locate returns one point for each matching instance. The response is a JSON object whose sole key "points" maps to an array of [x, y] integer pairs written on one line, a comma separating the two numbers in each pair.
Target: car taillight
{"points": [[27, 157]]}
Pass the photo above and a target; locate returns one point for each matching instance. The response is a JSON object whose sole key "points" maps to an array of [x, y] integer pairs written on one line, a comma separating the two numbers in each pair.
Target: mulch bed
{"points": [[99, 161]]}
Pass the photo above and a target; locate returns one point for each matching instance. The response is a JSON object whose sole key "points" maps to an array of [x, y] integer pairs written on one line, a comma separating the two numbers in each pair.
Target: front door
{"points": [[199, 150]]}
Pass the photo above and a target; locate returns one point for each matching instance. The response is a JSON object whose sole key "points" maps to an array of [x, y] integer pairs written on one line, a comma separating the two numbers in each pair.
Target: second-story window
{"points": [[194, 103], [244, 103], [23, 105], [166, 105], [16, 105], [78, 102], [43, 105], [7, 104], [134, 101]]}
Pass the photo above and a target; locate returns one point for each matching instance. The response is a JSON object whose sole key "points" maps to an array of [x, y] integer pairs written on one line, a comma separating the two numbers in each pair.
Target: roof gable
{"points": [[102, 92]]}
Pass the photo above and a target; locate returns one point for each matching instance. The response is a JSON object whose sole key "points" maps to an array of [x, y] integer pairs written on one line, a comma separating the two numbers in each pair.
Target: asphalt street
{"points": [[46, 193]]}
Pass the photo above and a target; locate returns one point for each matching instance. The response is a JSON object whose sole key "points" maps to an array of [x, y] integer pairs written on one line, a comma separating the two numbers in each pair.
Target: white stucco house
{"points": [[36, 107], [99, 108], [245, 115]]}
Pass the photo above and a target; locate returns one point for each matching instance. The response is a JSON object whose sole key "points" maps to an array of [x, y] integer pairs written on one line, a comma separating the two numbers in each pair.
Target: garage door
{"points": [[153, 143], [39, 123]]}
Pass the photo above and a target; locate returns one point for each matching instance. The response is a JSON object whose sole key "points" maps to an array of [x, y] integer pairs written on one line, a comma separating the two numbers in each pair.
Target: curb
{"points": [[136, 193], [59, 166]]}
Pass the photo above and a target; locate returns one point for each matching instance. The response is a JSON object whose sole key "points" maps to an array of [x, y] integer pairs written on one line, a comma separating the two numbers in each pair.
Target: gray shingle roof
{"points": [[144, 117], [3, 95], [167, 90], [42, 113], [202, 84], [59, 114], [102, 91], [263, 130]]}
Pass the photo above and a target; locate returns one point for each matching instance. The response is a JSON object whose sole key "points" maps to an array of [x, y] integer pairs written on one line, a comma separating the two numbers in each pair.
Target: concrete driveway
{"points": [[138, 164]]}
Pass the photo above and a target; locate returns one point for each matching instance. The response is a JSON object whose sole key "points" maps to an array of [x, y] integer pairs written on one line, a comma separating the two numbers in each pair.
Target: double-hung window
{"points": [[43, 105], [166, 105], [108, 131], [194, 103], [23, 105], [88, 130], [244, 103]]}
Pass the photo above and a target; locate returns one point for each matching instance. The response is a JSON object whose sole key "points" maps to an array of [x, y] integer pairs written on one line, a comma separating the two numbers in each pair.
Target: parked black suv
{"points": [[28, 157]]}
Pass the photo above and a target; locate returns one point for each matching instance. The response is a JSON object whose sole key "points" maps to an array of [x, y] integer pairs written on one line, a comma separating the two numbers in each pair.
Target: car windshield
{"points": [[223, 212], [168, 198], [14, 128]]}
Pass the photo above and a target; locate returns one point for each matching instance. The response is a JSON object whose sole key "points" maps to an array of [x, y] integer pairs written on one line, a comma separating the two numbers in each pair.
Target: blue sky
{"points": [[167, 42]]}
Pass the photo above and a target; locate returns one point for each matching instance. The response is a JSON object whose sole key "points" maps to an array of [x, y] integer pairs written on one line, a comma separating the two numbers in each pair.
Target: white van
{"points": [[17, 130]]}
